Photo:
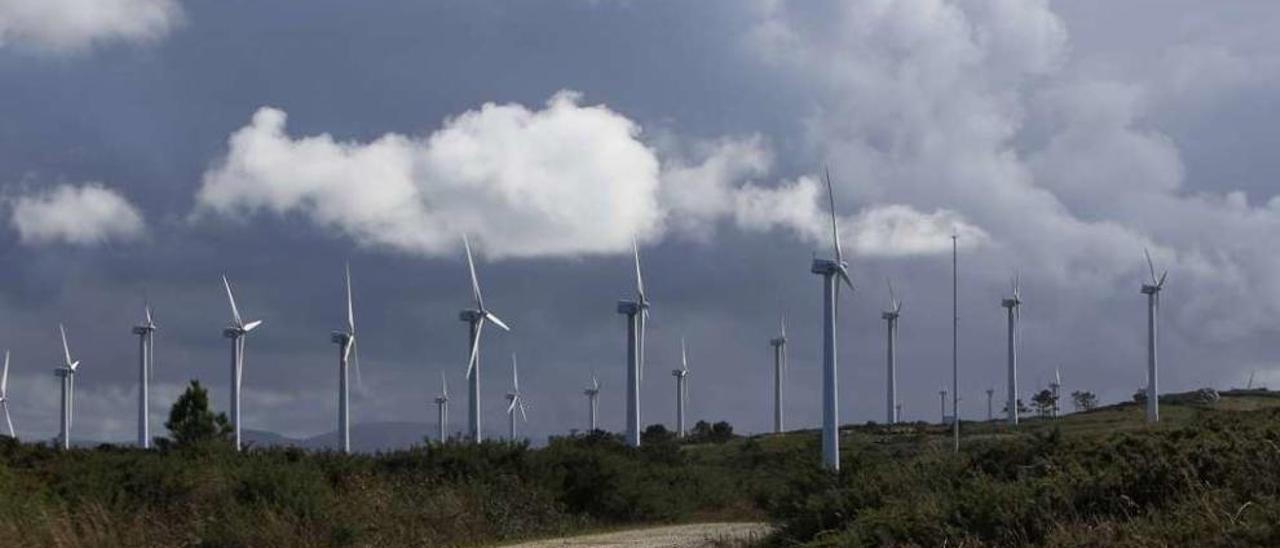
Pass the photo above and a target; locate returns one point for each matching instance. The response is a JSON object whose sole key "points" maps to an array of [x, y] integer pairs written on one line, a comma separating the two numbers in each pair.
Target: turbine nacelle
{"points": [[340, 337], [630, 308], [1010, 303], [1148, 289]]}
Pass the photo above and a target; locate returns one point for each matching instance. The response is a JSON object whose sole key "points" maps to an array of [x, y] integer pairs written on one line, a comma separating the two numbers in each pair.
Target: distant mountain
{"points": [[365, 438]]}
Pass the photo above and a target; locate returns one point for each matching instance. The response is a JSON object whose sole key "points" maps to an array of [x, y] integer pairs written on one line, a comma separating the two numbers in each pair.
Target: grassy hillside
{"points": [[1208, 475]]}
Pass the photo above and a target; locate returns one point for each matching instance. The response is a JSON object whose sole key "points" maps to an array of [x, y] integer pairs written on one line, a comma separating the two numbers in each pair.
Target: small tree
{"points": [[192, 423], [656, 433], [1044, 401], [1084, 401]]}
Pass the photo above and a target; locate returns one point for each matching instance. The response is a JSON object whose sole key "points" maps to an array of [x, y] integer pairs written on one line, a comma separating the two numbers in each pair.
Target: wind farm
{"points": [[706, 274]]}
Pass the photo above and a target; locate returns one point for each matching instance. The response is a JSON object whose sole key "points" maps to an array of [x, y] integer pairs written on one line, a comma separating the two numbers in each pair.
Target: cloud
{"points": [[75, 25], [86, 215], [977, 109], [564, 180]]}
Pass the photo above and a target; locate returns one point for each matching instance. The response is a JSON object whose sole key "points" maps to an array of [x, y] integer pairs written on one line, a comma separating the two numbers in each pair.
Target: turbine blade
{"points": [[151, 355], [844, 276], [148, 310], [235, 312], [4, 380], [635, 251], [512, 407], [8, 419], [595, 383], [444, 384], [684, 356], [354, 350], [524, 417], [351, 315], [471, 265], [1150, 265], [783, 323], [251, 325], [1163, 275], [835, 232], [475, 347], [496, 321], [66, 350]]}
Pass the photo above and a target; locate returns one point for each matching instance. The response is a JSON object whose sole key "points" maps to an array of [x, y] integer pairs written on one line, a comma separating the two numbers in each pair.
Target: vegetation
{"points": [[191, 423], [1209, 475]]}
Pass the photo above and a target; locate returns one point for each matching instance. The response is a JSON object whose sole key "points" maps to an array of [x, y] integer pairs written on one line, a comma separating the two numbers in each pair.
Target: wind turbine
{"points": [[890, 317], [942, 396], [236, 332], [593, 396], [830, 270], [682, 389], [146, 370], [442, 406], [990, 392], [1056, 386], [4, 395], [514, 400], [1152, 291], [637, 312], [779, 345], [68, 373], [475, 318], [346, 341], [1013, 306], [955, 340]]}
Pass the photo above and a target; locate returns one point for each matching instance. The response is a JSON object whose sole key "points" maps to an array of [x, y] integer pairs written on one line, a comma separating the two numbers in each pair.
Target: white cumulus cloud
{"points": [[567, 179], [80, 215], [74, 25]]}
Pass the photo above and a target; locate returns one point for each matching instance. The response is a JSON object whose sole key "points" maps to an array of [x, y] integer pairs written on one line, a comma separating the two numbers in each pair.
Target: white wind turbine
{"points": [[779, 345], [682, 388], [4, 395], [442, 406], [236, 332], [347, 353], [68, 374], [1056, 387], [475, 318], [1013, 306], [593, 397], [990, 393], [1152, 291], [637, 313], [890, 317], [514, 400], [146, 371], [830, 270]]}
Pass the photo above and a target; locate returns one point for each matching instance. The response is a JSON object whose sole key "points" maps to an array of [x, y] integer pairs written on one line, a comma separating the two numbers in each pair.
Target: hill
{"points": [[1209, 474]]}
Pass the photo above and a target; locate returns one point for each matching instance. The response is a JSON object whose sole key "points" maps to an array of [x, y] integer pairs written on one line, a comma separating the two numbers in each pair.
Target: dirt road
{"points": [[695, 535]]}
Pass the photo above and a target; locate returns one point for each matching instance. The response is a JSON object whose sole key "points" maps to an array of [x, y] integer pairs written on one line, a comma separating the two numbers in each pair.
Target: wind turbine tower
{"points": [[475, 318], [942, 398], [990, 392], [890, 317], [146, 370], [1056, 387], [682, 389], [68, 374], [1152, 291], [514, 400], [779, 345], [1013, 306], [236, 332], [442, 407], [637, 312], [346, 341], [593, 397]]}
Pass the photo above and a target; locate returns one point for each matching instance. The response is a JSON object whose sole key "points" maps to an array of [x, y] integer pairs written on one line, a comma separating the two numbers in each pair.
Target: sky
{"points": [[150, 146]]}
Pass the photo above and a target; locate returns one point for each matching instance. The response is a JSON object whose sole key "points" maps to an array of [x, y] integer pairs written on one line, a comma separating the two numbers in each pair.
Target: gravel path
{"points": [[695, 535]]}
